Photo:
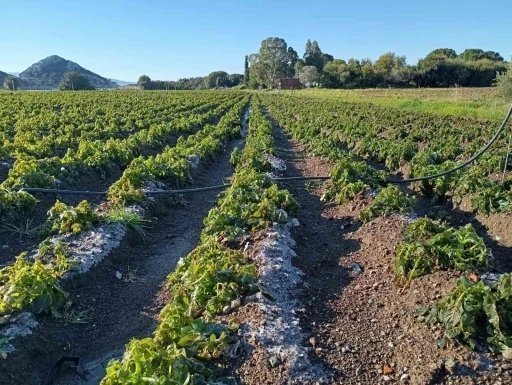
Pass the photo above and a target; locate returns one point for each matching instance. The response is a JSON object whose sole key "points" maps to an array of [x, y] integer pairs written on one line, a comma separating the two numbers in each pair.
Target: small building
{"points": [[290, 84]]}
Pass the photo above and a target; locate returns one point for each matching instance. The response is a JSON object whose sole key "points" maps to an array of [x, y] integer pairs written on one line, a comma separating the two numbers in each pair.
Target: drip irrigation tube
{"points": [[467, 162], [156, 192]]}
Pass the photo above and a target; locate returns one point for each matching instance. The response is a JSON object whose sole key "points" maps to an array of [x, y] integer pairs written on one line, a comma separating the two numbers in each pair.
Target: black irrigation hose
{"points": [[301, 178], [158, 192], [281, 179], [155, 192], [466, 163]]}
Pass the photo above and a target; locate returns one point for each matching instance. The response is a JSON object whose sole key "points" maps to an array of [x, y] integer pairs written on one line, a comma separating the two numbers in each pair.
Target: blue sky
{"points": [[173, 39]]}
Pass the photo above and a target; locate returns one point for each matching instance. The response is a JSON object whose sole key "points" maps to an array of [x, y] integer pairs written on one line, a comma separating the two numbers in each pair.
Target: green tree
{"points": [[217, 79], [334, 74], [473, 54], [444, 52], [504, 83], [299, 64], [308, 76], [326, 58], [12, 83], [144, 82], [246, 71], [74, 81], [235, 80], [273, 61], [293, 58], [391, 68], [369, 78], [482, 73], [313, 56]]}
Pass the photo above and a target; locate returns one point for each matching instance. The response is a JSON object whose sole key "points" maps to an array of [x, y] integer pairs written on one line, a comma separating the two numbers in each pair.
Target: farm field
{"points": [[471, 102], [358, 279]]}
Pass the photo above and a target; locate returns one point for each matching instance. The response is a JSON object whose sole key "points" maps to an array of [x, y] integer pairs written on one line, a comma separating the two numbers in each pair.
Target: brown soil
{"points": [[120, 310], [13, 242], [361, 324]]}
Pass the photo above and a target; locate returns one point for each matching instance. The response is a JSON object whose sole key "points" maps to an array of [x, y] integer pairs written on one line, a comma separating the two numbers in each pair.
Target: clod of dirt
{"points": [[276, 163], [193, 160], [154, 186], [20, 326], [90, 247]]}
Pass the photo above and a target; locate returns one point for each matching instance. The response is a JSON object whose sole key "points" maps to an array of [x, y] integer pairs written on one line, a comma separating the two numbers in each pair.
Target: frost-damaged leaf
{"points": [[471, 305]]}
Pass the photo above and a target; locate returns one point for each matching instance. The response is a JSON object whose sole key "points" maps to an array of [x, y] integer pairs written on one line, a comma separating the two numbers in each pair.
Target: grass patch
{"points": [[483, 103], [129, 219]]}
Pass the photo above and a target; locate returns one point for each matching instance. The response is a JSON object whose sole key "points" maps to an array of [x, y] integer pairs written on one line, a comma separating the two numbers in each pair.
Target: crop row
{"points": [[477, 306], [46, 125], [28, 171], [212, 276], [34, 280], [414, 144]]}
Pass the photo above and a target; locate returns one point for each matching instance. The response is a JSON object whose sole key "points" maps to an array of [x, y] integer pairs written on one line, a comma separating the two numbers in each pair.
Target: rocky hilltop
{"points": [[47, 74]]}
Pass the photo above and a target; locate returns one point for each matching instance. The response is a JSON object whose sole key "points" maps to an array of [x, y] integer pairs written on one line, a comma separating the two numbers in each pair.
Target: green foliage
{"points": [[273, 61], [390, 200], [74, 81], [350, 178], [432, 244], [308, 75], [15, 202], [129, 219], [431, 163], [69, 219], [94, 132], [171, 165], [474, 308], [217, 79], [314, 57], [55, 255], [492, 199], [206, 281], [252, 203], [473, 54], [247, 73], [504, 83], [411, 143], [24, 283], [144, 82]]}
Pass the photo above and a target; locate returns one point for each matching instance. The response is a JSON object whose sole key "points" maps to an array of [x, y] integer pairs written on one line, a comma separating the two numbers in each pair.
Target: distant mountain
{"points": [[121, 83], [3, 75], [47, 74], [14, 73]]}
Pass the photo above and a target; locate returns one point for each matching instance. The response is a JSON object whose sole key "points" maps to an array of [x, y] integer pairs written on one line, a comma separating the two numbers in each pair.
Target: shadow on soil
{"points": [[320, 246]]}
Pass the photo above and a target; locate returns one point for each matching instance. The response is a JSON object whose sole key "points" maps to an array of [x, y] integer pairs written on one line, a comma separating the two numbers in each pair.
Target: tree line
{"points": [[440, 68], [216, 79]]}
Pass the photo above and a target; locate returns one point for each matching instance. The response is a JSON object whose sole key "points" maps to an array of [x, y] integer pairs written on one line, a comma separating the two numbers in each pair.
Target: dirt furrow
{"points": [[119, 308]]}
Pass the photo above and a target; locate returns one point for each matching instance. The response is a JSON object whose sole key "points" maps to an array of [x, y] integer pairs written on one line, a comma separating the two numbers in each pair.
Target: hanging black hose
{"points": [[466, 163]]}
